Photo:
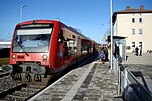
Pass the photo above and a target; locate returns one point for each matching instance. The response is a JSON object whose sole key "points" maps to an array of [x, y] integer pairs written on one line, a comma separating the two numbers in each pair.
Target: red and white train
{"points": [[47, 47]]}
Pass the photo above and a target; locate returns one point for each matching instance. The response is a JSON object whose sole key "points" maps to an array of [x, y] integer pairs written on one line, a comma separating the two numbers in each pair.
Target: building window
{"points": [[133, 31], [133, 20], [140, 20], [133, 47], [140, 44], [133, 44], [140, 31]]}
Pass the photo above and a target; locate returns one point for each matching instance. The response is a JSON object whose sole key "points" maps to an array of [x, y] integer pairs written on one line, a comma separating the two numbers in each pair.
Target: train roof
{"points": [[75, 31], [56, 21]]}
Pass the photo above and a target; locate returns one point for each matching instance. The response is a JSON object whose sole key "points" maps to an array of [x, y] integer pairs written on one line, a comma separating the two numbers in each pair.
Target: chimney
{"points": [[141, 7], [128, 8]]}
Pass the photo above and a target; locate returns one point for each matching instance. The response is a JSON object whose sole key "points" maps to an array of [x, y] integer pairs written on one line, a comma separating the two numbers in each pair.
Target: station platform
{"points": [[91, 82], [145, 59]]}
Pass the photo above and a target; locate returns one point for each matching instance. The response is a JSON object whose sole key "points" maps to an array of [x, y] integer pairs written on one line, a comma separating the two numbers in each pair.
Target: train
{"points": [[47, 47], [4, 56]]}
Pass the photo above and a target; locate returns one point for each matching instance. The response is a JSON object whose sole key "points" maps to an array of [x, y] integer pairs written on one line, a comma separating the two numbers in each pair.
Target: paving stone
{"points": [[56, 99], [99, 85]]}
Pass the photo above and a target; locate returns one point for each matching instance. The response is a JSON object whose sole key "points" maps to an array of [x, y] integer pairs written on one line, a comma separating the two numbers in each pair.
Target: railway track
{"points": [[24, 93], [16, 87], [13, 90]]}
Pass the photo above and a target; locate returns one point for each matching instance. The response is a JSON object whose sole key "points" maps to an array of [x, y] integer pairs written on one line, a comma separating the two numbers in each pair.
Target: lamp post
{"points": [[111, 32], [21, 12]]}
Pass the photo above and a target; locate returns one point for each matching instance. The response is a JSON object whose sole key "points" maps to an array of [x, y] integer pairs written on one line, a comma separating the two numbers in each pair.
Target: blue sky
{"points": [[90, 16]]}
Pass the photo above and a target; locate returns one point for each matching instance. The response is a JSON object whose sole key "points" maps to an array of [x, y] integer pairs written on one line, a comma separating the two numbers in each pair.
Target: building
{"points": [[136, 26]]}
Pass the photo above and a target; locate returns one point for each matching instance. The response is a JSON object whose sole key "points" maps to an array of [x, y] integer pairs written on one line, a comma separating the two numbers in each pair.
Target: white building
{"points": [[136, 26]]}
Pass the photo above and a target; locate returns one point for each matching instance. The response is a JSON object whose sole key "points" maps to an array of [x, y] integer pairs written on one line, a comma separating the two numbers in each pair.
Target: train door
{"points": [[60, 49]]}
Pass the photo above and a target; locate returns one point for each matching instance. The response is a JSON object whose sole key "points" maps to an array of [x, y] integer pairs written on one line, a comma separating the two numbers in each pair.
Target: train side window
{"points": [[69, 46], [70, 42], [60, 39]]}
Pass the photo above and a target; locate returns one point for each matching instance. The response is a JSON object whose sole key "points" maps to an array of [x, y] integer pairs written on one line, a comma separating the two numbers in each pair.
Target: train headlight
{"points": [[13, 56], [44, 57]]}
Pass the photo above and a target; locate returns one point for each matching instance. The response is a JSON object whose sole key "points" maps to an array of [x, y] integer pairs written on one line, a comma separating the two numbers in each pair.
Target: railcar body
{"points": [[47, 47], [4, 56]]}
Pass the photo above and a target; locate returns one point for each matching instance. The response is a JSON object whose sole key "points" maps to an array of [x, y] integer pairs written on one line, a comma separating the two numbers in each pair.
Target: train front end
{"points": [[31, 47]]}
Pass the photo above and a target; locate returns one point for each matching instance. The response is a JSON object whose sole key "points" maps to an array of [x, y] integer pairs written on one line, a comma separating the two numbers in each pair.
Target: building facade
{"points": [[136, 26]]}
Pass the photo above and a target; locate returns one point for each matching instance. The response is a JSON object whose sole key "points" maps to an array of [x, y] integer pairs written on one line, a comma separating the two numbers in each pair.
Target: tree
{"points": [[107, 32]]}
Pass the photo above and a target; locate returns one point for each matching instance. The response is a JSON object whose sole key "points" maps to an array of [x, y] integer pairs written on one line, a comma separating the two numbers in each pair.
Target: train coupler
{"points": [[27, 74]]}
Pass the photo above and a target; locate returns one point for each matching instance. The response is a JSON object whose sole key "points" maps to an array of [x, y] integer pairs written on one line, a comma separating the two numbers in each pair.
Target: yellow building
{"points": [[136, 26]]}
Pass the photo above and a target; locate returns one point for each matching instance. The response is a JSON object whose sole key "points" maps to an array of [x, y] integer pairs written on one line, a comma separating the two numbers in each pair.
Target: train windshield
{"points": [[32, 38]]}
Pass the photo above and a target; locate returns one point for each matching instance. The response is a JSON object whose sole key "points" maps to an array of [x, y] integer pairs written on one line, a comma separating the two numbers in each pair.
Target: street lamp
{"points": [[21, 12], [111, 32]]}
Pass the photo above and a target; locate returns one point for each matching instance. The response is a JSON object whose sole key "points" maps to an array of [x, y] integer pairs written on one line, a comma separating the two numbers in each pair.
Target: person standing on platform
{"points": [[140, 53], [136, 51], [102, 56], [105, 52]]}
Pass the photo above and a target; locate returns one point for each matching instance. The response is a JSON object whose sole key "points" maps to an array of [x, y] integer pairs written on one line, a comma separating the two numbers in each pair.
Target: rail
{"points": [[130, 88]]}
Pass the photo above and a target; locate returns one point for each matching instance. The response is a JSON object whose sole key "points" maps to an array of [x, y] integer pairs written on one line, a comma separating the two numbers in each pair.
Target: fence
{"points": [[130, 88]]}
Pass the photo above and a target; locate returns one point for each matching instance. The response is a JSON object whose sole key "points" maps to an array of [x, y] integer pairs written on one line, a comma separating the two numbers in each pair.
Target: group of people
{"points": [[103, 54]]}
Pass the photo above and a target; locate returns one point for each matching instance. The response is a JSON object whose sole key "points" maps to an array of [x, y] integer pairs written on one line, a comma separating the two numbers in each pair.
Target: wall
{"points": [[123, 27]]}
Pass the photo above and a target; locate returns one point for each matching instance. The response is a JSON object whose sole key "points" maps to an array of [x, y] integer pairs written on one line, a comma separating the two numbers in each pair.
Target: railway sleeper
{"points": [[4, 74], [15, 98], [11, 90], [35, 86], [23, 94], [29, 90]]}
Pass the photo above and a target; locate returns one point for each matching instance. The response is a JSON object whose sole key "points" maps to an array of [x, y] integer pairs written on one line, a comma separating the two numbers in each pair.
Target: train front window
{"points": [[32, 38]]}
